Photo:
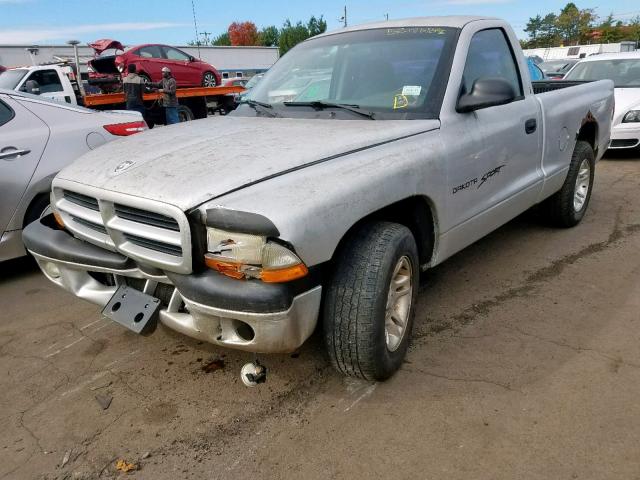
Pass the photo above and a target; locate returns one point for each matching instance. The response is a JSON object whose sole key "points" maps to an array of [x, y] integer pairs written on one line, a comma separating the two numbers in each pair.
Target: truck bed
{"points": [[542, 86]]}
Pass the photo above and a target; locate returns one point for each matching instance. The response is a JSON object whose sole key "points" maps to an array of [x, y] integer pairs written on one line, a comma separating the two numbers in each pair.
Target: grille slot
{"points": [[146, 217], [154, 245], [82, 200], [622, 143], [91, 225]]}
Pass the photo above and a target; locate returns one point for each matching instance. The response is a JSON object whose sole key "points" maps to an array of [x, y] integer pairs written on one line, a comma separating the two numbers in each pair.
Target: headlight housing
{"points": [[243, 255], [632, 116]]}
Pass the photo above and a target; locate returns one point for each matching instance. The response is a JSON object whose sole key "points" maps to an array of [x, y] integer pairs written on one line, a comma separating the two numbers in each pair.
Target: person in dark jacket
{"points": [[169, 99], [133, 86]]}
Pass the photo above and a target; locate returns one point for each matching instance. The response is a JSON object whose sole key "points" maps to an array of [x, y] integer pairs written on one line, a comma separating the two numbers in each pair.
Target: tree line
{"points": [[574, 26], [285, 38]]}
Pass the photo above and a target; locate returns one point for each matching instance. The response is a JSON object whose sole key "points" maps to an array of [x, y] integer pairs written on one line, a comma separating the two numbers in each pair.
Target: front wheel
{"points": [[208, 80], [370, 301], [567, 207]]}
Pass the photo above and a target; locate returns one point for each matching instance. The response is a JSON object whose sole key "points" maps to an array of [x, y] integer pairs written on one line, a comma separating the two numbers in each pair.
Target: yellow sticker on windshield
{"points": [[400, 101]]}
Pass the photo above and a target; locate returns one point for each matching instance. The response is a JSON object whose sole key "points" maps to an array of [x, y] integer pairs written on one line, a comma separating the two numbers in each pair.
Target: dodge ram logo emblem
{"points": [[123, 166]]}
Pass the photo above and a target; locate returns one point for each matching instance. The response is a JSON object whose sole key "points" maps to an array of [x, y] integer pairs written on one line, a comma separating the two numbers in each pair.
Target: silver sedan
{"points": [[37, 138]]}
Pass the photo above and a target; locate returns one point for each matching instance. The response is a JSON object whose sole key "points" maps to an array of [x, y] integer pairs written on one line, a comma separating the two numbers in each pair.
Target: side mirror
{"points": [[192, 58], [486, 92]]}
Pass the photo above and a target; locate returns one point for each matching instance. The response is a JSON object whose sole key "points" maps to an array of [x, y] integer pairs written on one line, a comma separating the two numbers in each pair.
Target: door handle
{"points": [[6, 155], [530, 125]]}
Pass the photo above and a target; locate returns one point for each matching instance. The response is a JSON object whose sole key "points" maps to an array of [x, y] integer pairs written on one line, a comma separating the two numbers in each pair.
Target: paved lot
{"points": [[525, 364]]}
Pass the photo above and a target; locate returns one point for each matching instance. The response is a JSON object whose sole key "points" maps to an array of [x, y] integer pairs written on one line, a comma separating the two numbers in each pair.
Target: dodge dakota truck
{"points": [[364, 157]]}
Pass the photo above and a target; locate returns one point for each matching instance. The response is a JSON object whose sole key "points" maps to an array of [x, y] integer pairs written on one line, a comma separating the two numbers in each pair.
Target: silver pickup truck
{"points": [[363, 157]]}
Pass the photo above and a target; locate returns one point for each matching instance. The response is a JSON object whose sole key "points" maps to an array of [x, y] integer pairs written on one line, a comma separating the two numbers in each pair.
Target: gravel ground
{"points": [[525, 364]]}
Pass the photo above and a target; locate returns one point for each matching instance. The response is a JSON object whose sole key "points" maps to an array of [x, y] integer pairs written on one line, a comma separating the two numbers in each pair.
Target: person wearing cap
{"points": [[133, 87], [167, 86]]}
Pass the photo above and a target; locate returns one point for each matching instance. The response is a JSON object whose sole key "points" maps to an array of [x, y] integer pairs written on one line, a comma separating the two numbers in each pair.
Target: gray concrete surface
{"points": [[525, 364]]}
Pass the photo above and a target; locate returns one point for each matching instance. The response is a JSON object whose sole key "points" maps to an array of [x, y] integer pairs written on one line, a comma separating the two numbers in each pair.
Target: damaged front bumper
{"points": [[246, 315]]}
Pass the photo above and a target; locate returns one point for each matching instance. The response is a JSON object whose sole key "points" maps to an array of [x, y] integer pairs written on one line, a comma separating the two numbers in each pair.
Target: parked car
{"points": [[112, 59], [557, 69], [248, 230], [624, 70], [37, 138], [253, 81]]}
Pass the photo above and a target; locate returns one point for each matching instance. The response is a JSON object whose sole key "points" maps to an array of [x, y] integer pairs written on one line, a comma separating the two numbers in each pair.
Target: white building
{"points": [[230, 61], [580, 51]]}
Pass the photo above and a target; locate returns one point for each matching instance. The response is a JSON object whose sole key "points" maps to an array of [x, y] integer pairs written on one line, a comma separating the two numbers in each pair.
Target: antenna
{"points": [[195, 25]]}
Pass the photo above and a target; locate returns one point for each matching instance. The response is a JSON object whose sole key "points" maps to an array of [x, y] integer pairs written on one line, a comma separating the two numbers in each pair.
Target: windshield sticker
{"points": [[410, 30], [411, 90], [400, 101]]}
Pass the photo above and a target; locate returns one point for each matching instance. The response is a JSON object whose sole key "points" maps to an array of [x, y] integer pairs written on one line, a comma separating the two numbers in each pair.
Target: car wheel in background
{"points": [[567, 207], [145, 78], [208, 79], [370, 301]]}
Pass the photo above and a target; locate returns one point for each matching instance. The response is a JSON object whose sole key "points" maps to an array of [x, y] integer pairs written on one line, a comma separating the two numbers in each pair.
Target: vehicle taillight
{"points": [[126, 129]]}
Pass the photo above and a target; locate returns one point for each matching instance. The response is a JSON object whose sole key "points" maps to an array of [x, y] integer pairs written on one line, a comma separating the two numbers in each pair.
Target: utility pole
{"points": [[344, 17], [206, 37], [195, 26], [386, 17]]}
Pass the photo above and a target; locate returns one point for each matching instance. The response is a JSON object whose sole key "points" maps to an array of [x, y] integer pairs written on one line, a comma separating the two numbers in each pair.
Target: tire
{"points": [[209, 80], [355, 305], [38, 208], [563, 208], [185, 114]]}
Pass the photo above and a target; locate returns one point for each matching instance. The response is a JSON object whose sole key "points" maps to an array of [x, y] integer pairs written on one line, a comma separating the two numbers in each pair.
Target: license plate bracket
{"points": [[132, 309]]}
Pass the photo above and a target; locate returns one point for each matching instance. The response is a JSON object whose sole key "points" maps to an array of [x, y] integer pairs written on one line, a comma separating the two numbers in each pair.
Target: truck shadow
{"points": [[12, 270]]}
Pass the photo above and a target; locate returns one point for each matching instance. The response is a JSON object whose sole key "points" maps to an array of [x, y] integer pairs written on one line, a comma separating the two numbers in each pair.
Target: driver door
{"points": [[186, 72]]}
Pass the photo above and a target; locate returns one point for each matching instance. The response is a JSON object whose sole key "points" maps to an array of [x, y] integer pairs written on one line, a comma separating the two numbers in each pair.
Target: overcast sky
{"points": [[134, 21]]}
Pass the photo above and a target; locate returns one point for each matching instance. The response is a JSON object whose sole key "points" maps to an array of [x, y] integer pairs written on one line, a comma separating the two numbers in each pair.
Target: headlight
{"points": [[632, 116], [241, 255]]}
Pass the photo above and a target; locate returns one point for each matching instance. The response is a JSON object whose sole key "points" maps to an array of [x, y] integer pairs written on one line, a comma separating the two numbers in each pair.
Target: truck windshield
{"points": [[625, 73], [10, 79], [393, 73]]}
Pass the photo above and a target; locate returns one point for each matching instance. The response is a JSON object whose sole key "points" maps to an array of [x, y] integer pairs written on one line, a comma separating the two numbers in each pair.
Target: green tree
{"points": [[533, 29], [316, 26], [575, 25], [269, 36], [222, 40], [548, 31]]}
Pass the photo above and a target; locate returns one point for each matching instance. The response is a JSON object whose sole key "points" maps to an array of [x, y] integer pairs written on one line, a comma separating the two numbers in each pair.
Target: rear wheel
{"points": [[208, 80], [370, 301], [567, 207], [185, 114]]}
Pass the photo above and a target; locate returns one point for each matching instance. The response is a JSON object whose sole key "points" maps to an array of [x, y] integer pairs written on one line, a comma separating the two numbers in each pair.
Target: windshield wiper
{"points": [[266, 107], [321, 105]]}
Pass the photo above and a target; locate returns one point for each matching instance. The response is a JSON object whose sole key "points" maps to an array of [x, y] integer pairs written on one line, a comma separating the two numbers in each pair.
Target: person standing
{"points": [[169, 98], [133, 87]]}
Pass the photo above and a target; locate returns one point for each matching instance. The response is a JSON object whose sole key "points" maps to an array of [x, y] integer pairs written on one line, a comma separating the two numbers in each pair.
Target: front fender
{"points": [[313, 208]]}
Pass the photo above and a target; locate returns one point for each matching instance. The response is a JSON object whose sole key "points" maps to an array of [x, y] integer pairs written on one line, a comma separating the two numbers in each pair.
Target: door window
{"points": [[175, 54], [150, 51], [490, 56], [48, 81], [6, 113]]}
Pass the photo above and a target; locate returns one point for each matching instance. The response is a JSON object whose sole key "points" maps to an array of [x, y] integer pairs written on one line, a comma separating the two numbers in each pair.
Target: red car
{"points": [[112, 59]]}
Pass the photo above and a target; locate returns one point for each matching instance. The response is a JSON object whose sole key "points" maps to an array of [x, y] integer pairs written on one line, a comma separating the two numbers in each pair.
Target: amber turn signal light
{"points": [[58, 218]]}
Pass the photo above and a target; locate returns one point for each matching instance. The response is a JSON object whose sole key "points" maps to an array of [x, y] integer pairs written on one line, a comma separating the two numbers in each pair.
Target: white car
{"points": [[624, 70], [37, 138]]}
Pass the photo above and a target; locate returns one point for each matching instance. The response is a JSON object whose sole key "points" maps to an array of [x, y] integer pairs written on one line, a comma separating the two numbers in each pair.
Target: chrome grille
{"points": [[151, 232]]}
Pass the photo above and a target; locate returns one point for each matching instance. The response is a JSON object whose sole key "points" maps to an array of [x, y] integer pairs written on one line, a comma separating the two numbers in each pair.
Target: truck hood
{"points": [[190, 163]]}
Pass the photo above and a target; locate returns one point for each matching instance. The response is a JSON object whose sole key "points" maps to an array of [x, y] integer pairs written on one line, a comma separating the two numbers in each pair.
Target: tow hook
{"points": [[253, 373]]}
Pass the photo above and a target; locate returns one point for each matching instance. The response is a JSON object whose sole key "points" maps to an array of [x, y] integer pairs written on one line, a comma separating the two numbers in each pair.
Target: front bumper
{"points": [[625, 135], [246, 315]]}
